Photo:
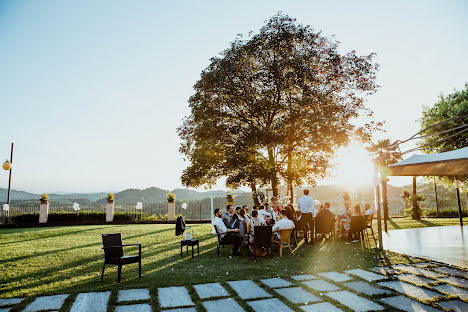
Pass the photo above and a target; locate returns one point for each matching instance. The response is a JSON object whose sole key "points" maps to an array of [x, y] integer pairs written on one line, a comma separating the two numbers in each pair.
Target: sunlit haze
{"points": [[92, 92]]}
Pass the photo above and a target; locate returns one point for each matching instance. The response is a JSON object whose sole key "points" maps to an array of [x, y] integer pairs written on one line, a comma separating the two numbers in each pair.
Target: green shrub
{"points": [[446, 213]]}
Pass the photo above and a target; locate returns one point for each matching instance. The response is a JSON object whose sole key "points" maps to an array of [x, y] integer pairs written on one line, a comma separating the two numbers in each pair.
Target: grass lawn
{"points": [[50, 260]]}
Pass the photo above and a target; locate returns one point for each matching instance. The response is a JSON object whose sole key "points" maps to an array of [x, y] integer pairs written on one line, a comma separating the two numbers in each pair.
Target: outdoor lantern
{"points": [[139, 205], [184, 206], [7, 165], [6, 207]]}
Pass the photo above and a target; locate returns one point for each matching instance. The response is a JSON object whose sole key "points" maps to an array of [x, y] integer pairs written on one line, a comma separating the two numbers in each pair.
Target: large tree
{"points": [[285, 97]]}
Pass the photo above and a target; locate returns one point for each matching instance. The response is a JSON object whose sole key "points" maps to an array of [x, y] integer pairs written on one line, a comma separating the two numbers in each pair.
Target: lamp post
{"points": [[7, 166]]}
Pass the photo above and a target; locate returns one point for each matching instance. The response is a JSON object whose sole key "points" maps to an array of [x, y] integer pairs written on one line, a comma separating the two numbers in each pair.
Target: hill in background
{"points": [[332, 193]]}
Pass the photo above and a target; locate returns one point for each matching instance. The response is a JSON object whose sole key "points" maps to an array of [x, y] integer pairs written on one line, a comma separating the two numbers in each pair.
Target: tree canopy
{"points": [[276, 106], [447, 125]]}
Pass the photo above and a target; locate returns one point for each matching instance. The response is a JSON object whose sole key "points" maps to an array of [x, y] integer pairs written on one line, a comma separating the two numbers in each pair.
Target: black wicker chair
{"points": [[113, 254], [357, 226], [262, 239]]}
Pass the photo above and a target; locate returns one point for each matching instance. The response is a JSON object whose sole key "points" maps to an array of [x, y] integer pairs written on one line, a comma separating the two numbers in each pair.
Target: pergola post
{"points": [[414, 185], [436, 199], [457, 186]]}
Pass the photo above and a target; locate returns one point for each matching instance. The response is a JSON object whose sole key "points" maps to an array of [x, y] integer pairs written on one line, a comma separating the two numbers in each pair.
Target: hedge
{"points": [[446, 213]]}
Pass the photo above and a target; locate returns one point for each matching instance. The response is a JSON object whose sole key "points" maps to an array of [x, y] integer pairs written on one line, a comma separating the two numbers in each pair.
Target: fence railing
{"points": [[196, 211]]}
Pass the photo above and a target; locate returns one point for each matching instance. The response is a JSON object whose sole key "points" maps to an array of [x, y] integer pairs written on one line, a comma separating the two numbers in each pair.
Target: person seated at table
{"points": [[344, 218], [262, 213], [255, 221], [291, 213], [325, 212], [228, 216], [369, 211], [276, 205], [228, 236], [282, 224], [242, 222], [246, 210], [356, 212]]}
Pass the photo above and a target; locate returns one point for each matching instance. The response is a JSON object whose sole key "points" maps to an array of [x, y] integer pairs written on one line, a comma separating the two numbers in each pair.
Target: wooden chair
{"points": [[368, 222], [113, 253], [357, 226], [284, 241], [262, 239]]}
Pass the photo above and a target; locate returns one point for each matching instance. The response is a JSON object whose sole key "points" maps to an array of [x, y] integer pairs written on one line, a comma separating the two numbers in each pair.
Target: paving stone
{"points": [[454, 305], [276, 282], [452, 290], [210, 290], [417, 271], [10, 301], [248, 290], [320, 285], [46, 303], [385, 270], [336, 276], [410, 290], [182, 310], [367, 289], [406, 304], [320, 307], [304, 277], [133, 295], [134, 308], [177, 296], [353, 301], [452, 271], [222, 305], [297, 295], [268, 305], [415, 279], [366, 275], [91, 302], [455, 281]]}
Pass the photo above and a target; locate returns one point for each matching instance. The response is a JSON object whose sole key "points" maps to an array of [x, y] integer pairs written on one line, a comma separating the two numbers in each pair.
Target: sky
{"points": [[91, 92]]}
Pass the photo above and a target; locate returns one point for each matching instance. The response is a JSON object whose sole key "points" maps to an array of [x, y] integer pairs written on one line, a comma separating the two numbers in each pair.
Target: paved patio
{"points": [[447, 244], [428, 286]]}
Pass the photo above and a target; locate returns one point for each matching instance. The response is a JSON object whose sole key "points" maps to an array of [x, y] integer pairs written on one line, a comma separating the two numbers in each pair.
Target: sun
{"points": [[352, 166]]}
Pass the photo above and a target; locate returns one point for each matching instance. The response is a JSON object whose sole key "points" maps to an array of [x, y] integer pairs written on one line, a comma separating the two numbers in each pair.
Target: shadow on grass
{"points": [[394, 224], [77, 247], [63, 233]]}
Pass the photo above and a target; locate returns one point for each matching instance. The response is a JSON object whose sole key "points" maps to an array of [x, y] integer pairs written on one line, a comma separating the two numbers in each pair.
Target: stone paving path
{"points": [[427, 286]]}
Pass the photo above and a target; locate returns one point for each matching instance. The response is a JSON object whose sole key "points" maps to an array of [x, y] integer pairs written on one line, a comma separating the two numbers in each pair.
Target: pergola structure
{"points": [[453, 164]]}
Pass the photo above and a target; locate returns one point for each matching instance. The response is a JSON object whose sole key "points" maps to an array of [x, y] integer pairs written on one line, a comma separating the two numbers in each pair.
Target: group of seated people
{"points": [[237, 226]]}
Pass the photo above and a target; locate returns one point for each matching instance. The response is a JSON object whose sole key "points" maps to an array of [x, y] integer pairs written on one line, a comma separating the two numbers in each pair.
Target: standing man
{"points": [[306, 205]]}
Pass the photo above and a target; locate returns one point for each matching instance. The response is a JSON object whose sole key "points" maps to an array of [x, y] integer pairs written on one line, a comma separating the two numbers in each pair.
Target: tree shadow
{"points": [[394, 224]]}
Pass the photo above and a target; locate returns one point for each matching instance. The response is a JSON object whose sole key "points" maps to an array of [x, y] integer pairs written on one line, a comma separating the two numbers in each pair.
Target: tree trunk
{"points": [[274, 176], [290, 180], [416, 212], [254, 190], [385, 203]]}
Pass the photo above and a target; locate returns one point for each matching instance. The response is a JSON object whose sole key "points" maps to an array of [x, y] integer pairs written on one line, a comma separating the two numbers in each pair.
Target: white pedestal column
{"points": [[110, 212], [171, 211], [44, 212]]}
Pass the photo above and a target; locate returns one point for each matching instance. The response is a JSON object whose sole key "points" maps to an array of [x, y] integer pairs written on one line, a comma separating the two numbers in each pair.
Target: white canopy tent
{"points": [[453, 163]]}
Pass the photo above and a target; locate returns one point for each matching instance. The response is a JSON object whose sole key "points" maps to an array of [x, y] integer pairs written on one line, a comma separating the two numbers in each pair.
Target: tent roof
{"points": [[453, 163]]}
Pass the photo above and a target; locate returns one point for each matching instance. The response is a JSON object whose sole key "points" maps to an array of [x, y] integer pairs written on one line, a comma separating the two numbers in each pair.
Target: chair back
{"points": [[323, 225], [285, 235], [262, 236], [109, 240], [357, 224], [217, 233]]}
